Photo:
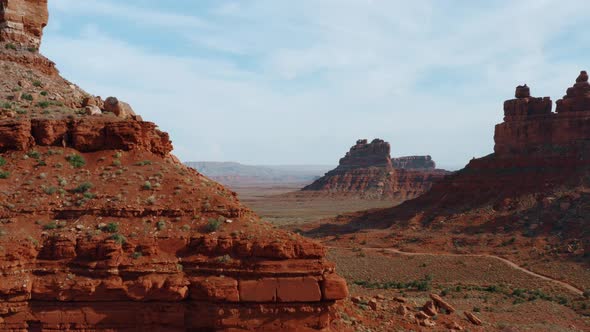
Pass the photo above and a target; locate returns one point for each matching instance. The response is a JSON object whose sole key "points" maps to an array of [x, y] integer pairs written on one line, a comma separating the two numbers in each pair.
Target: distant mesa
{"points": [[235, 174], [367, 171]]}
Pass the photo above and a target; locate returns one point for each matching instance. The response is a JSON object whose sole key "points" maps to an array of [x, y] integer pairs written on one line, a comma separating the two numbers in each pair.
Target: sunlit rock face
{"points": [[22, 21]]}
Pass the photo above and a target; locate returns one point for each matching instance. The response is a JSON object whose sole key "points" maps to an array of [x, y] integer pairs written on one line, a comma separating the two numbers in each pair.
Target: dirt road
{"points": [[513, 265]]}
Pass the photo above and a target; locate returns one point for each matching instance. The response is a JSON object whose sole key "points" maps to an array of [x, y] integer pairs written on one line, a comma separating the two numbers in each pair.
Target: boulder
{"points": [[119, 108], [472, 318], [439, 302], [92, 110]]}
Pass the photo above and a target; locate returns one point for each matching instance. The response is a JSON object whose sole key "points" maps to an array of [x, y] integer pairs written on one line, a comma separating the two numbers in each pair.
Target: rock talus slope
{"points": [[102, 229], [368, 171]]}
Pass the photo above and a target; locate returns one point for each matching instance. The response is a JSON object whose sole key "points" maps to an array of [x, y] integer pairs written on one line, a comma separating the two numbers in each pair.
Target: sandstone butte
{"points": [[102, 228], [535, 182], [368, 171]]}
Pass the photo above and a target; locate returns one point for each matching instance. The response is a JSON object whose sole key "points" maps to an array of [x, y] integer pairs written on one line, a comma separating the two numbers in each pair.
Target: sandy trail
{"points": [[513, 265]]}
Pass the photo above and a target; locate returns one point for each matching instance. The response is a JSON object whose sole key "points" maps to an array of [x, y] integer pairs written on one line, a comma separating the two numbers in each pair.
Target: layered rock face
{"points": [[22, 21], [102, 229], [368, 171]]}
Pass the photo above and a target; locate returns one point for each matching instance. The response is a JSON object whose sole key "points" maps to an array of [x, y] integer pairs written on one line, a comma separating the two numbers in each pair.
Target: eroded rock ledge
{"points": [[85, 135]]}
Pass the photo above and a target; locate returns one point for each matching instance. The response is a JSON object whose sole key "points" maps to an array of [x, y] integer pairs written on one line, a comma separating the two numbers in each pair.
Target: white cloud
{"points": [[299, 82]]}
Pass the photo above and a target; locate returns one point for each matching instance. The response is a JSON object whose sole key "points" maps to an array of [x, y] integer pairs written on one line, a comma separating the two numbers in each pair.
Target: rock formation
{"points": [[22, 22], [414, 162], [101, 228], [535, 182], [368, 171]]}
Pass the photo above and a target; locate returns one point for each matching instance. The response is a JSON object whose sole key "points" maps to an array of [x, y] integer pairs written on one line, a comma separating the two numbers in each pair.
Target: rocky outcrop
{"points": [[101, 228], [22, 21], [414, 162], [84, 135], [369, 172]]}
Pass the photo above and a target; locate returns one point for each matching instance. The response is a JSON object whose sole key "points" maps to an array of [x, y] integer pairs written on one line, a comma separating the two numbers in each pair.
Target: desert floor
{"points": [[506, 291]]}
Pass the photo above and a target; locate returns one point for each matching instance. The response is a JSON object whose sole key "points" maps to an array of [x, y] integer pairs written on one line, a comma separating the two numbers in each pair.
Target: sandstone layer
{"points": [[102, 228], [369, 172]]}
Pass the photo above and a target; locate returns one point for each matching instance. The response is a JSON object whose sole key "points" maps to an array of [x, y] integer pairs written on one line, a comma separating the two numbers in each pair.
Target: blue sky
{"points": [[297, 82]]}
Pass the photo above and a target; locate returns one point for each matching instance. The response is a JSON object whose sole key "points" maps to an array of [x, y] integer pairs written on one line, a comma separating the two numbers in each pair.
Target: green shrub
{"points": [[50, 226], [118, 238], [161, 225], [62, 182], [89, 195], [136, 255], [143, 163], [44, 93], [37, 83], [83, 187], [76, 160], [116, 162], [2, 161], [111, 228], [10, 46], [147, 185], [4, 174], [213, 225], [34, 154], [43, 104], [151, 200], [27, 96], [50, 190]]}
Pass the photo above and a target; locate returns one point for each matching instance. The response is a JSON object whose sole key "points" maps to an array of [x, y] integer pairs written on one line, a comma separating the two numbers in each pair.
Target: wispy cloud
{"points": [[271, 81]]}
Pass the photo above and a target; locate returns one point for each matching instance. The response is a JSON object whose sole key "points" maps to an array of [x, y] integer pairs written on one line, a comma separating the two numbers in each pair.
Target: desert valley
{"points": [[103, 228]]}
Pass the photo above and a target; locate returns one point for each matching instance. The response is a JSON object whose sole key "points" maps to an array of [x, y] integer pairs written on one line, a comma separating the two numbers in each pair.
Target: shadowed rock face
{"points": [[101, 228], [368, 171], [22, 21]]}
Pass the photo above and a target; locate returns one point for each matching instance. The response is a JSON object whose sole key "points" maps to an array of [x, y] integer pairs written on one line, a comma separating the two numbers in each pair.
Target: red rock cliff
{"points": [[101, 228]]}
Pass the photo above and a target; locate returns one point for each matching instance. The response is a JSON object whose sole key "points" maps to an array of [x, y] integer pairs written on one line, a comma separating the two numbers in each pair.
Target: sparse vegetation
{"points": [[151, 200], [111, 228], [2, 161], [136, 255], [424, 284], [83, 187], [43, 104], [76, 160], [10, 46], [147, 185], [34, 154], [50, 190], [118, 238], [27, 96], [143, 163], [4, 174], [161, 225], [213, 225], [51, 226]]}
